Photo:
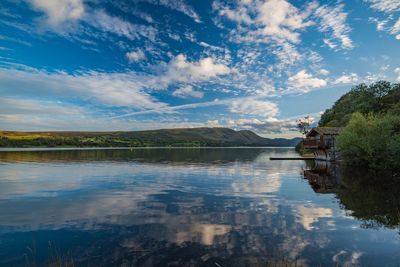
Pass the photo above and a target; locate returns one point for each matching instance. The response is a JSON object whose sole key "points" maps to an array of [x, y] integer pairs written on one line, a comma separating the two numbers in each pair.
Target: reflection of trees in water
{"points": [[372, 196], [144, 216], [149, 155]]}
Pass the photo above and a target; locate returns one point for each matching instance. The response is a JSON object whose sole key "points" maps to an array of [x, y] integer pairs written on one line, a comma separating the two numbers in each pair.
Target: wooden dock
{"points": [[294, 158]]}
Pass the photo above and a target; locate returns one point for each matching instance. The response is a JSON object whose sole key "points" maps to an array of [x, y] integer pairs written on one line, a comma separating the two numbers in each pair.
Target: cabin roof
{"points": [[324, 131]]}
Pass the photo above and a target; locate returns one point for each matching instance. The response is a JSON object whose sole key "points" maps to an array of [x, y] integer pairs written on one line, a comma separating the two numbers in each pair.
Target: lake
{"points": [[190, 207]]}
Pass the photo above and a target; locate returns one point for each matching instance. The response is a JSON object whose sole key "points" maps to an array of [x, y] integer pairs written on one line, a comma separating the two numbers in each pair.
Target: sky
{"points": [[260, 65]]}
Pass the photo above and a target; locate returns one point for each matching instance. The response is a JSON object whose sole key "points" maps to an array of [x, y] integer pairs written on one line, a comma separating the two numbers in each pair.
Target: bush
{"points": [[372, 141]]}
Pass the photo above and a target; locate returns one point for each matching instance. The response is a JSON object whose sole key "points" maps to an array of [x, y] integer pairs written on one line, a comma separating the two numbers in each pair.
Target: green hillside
{"points": [[164, 137], [378, 98]]}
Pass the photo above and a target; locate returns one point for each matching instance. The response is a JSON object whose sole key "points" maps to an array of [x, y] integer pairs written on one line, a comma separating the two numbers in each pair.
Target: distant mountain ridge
{"points": [[204, 136]]}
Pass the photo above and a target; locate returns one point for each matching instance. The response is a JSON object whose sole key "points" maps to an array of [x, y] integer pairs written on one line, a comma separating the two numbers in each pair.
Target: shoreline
{"points": [[21, 149]]}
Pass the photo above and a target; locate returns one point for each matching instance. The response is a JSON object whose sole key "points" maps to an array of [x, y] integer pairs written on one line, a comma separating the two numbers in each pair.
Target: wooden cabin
{"points": [[322, 141]]}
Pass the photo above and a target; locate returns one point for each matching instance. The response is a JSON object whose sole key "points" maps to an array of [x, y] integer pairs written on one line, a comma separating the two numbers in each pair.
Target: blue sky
{"points": [[150, 64]]}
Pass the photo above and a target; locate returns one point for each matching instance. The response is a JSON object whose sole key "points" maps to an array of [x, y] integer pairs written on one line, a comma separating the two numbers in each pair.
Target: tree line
{"points": [[370, 115]]}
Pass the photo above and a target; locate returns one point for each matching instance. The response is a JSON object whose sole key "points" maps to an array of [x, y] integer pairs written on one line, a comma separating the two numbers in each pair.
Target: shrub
{"points": [[372, 141]]}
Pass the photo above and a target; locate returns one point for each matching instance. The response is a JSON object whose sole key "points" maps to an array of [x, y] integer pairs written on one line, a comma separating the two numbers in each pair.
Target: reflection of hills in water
{"points": [[179, 156], [110, 211], [152, 214], [371, 196], [147, 155]]}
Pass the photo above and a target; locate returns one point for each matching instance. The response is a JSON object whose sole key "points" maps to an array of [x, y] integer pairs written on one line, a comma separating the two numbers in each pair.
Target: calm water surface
{"points": [[190, 207]]}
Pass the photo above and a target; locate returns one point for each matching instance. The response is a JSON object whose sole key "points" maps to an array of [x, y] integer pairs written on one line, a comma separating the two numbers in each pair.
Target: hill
{"points": [[163, 137]]}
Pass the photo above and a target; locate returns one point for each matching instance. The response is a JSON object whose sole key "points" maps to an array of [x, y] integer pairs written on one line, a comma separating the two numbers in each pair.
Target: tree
{"points": [[372, 141], [379, 98], [304, 124]]}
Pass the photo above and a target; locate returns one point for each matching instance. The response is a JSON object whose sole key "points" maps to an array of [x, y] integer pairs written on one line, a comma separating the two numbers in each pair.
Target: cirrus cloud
{"points": [[274, 22], [333, 20], [385, 5]]}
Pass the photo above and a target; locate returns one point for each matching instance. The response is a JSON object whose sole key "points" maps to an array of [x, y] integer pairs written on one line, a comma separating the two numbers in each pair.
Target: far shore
{"points": [[11, 149]]}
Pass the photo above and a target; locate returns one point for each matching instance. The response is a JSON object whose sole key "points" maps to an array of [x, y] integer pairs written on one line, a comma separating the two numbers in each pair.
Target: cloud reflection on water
{"points": [[234, 204]]}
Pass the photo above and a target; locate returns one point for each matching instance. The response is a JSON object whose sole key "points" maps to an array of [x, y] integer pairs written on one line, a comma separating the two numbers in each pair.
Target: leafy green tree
{"points": [[372, 141], [378, 98]]}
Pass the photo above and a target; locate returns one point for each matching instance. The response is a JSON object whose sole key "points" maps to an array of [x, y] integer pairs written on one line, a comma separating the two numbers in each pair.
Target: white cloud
{"points": [[265, 126], [241, 105], [385, 5], [14, 106], [119, 89], [30, 114], [120, 27], [272, 19], [374, 77], [303, 81], [239, 14], [324, 72], [85, 122], [255, 107], [350, 78], [180, 6], [135, 56], [214, 123], [280, 20], [265, 89], [179, 69], [61, 10], [187, 91], [387, 26], [287, 54], [275, 22], [397, 71], [333, 21], [112, 89], [380, 24], [212, 47], [396, 28], [330, 44], [173, 109]]}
